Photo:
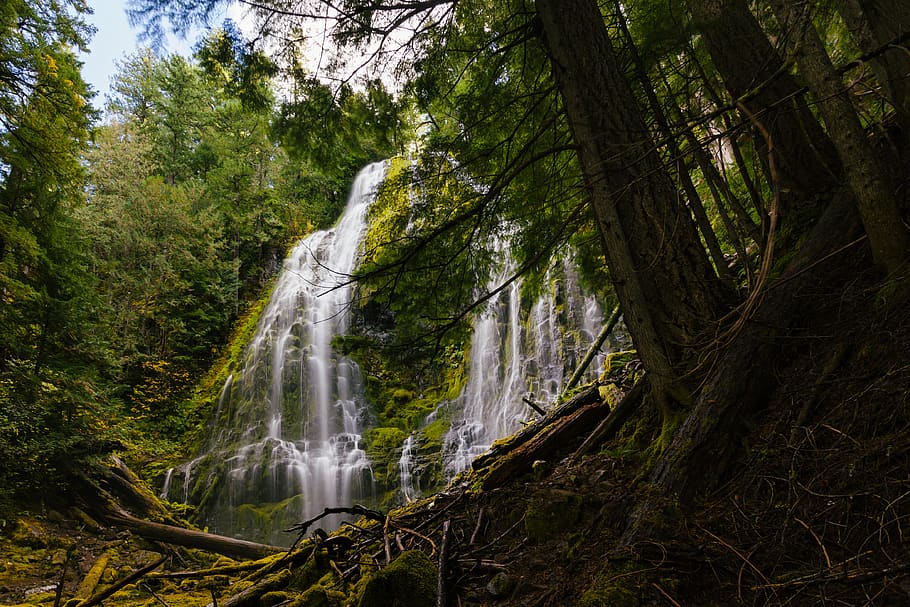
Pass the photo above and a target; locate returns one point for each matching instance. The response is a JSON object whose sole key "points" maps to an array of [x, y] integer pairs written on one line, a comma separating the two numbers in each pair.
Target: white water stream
{"points": [[286, 439], [520, 353]]}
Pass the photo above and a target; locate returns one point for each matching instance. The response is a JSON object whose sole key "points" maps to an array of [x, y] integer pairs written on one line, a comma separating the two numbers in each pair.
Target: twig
{"points": [[742, 556], [443, 556], [852, 576], [214, 598], [155, 596], [484, 564], [665, 595], [498, 537], [476, 527], [113, 588], [817, 540], [421, 536]]}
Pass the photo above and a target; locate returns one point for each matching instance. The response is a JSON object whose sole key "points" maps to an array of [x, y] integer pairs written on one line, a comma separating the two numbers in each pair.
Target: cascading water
{"points": [[410, 489], [285, 441], [519, 353]]}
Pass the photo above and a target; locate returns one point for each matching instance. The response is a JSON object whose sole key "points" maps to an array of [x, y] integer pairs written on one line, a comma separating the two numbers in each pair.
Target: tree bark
{"points": [[668, 291], [873, 24], [871, 184], [704, 447], [695, 203], [754, 73], [169, 534]]}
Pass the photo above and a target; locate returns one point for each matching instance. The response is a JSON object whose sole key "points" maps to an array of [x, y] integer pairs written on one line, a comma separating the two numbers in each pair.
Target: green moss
{"points": [[307, 575], [552, 514], [615, 361], [270, 599], [409, 581], [621, 587], [318, 596]]}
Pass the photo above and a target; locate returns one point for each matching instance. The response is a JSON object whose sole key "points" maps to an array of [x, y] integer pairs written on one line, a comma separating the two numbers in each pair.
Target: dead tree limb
{"points": [[614, 421], [544, 444], [585, 397], [594, 349], [113, 588], [356, 509], [533, 405], [179, 536]]}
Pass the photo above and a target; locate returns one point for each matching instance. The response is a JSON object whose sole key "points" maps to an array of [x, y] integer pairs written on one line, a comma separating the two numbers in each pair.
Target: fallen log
{"points": [[587, 396], [250, 596], [543, 444], [190, 538], [613, 422], [226, 570]]}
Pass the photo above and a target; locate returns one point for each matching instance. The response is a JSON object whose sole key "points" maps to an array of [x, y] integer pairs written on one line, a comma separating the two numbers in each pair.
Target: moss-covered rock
{"points": [[320, 596], [383, 447], [409, 581], [270, 599]]}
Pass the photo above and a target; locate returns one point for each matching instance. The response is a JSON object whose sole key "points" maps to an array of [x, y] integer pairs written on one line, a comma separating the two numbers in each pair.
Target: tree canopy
{"points": [[592, 119]]}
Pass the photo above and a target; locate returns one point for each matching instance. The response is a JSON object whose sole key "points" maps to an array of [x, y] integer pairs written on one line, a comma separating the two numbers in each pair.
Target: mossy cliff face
{"points": [[404, 412]]}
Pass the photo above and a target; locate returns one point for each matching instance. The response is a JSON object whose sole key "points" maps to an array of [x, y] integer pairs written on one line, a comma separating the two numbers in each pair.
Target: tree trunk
{"points": [[668, 291], [754, 74], [169, 534], [704, 446], [871, 184], [873, 24], [696, 204]]}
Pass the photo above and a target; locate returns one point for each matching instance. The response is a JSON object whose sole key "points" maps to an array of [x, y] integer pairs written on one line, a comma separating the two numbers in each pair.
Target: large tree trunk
{"points": [[873, 25], [754, 74], [668, 291], [682, 171], [871, 184], [704, 447]]}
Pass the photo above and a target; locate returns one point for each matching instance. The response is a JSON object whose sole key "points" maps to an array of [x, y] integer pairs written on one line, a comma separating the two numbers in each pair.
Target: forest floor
{"points": [[813, 512]]}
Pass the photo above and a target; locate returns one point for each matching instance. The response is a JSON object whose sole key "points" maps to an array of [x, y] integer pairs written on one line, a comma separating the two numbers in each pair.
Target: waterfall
{"points": [[410, 488], [517, 353], [285, 440]]}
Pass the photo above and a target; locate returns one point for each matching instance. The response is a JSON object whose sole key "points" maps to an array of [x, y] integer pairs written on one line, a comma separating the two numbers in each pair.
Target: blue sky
{"points": [[115, 39]]}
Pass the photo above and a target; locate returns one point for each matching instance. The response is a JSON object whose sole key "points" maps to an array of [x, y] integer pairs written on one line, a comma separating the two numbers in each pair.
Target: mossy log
{"points": [[190, 538], [589, 395], [108, 592], [250, 596], [544, 444], [613, 422]]}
